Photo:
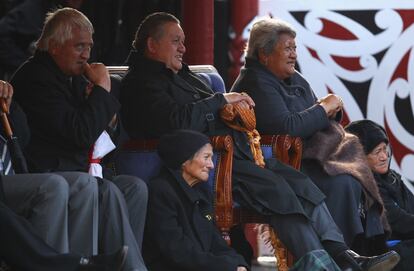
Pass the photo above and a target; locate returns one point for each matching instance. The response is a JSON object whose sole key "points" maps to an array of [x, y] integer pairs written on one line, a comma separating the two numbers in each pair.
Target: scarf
{"points": [[240, 116]]}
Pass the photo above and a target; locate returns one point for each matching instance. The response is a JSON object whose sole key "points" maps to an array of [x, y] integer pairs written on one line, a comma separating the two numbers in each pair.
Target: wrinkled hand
{"points": [[98, 74], [241, 268], [6, 92], [332, 104], [234, 97]]}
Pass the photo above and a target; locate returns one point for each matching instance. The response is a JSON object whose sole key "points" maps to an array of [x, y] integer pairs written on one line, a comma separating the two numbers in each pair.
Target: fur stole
{"points": [[339, 152]]}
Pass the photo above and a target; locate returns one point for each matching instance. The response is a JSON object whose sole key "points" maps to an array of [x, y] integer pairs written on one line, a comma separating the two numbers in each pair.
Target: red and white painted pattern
{"points": [[363, 52]]}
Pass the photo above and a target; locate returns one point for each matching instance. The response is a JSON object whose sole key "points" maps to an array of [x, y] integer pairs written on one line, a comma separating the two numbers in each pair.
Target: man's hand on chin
{"points": [[98, 74]]}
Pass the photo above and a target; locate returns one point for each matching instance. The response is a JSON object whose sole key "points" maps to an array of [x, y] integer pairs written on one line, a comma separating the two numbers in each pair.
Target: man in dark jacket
{"points": [[66, 118], [52, 204], [398, 199], [160, 86]]}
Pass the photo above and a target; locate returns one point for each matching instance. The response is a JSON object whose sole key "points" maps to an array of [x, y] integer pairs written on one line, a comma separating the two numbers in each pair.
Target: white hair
{"points": [[59, 25]]}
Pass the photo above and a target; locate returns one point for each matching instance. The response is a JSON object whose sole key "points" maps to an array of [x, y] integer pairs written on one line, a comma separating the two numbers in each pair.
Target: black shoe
{"points": [[351, 261], [106, 262]]}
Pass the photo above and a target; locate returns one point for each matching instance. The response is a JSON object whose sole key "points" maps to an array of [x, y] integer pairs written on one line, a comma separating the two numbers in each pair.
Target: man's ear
{"points": [[152, 45], [53, 47]]}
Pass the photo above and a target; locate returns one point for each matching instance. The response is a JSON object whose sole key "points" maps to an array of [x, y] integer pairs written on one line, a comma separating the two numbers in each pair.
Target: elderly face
{"points": [[378, 158], [74, 53], [281, 62], [170, 48], [197, 169]]}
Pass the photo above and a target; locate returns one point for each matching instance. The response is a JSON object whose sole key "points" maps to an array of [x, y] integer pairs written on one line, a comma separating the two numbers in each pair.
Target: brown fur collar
{"points": [[339, 152]]}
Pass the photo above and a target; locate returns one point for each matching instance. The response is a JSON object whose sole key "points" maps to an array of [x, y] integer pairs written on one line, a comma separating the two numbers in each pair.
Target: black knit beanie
{"points": [[370, 133], [179, 146]]}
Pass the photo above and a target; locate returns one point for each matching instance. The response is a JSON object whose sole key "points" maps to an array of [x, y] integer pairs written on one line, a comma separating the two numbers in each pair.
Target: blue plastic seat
{"points": [[391, 243]]}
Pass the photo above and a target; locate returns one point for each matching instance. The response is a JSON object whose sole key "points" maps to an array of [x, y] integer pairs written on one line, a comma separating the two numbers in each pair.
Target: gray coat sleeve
{"points": [[278, 111]]}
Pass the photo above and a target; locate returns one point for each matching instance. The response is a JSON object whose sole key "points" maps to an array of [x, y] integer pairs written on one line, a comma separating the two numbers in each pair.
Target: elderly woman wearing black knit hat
{"points": [[180, 233], [398, 200]]}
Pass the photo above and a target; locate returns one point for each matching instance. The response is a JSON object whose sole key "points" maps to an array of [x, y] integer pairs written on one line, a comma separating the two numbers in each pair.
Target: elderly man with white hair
{"points": [[69, 105]]}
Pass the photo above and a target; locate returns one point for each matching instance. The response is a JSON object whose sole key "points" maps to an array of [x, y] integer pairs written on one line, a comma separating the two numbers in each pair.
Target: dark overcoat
{"points": [[63, 121], [290, 107], [180, 233], [399, 203], [155, 100], [282, 106]]}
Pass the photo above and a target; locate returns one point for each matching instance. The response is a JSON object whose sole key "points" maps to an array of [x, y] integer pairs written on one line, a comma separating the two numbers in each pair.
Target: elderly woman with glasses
{"points": [[398, 200]]}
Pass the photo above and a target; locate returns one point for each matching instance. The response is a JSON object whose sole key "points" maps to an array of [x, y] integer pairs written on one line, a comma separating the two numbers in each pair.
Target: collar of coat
{"points": [[185, 78], [138, 61], [47, 60], [295, 80], [192, 193], [389, 178], [78, 83]]}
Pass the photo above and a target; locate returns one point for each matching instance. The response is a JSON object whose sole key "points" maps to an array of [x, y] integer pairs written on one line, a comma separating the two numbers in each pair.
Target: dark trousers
{"points": [[301, 235], [122, 211], [23, 250]]}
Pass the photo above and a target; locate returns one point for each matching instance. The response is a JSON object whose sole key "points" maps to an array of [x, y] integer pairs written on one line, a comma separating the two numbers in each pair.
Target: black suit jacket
{"points": [[63, 122], [180, 233], [155, 100]]}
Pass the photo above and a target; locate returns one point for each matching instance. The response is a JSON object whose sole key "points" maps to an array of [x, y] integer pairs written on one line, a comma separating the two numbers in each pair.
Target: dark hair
{"points": [[151, 26]]}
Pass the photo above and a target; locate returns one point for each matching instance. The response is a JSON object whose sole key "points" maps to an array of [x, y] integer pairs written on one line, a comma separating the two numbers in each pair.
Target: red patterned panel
{"points": [[349, 63], [401, 70], [399, 149], [335, 31], [313, 53], [406, 16]]}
